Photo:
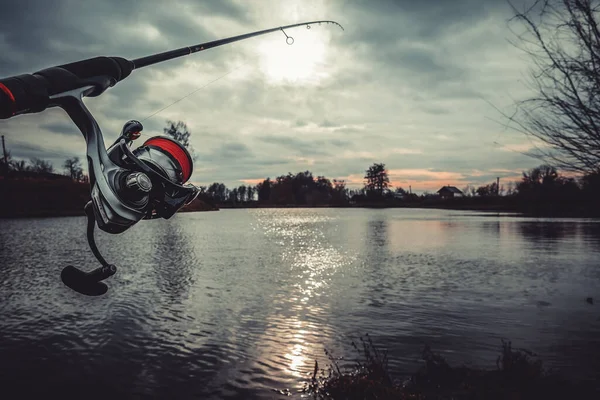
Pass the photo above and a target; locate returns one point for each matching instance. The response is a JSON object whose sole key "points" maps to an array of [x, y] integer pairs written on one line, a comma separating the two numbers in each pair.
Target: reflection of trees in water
{"points": [[590, 232], [544, 232], [491, 227], [174, 261], [377, 233], [377, 254]]}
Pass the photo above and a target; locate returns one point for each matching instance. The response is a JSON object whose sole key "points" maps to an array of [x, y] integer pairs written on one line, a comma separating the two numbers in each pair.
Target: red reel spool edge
{"points": [[177, 151]]}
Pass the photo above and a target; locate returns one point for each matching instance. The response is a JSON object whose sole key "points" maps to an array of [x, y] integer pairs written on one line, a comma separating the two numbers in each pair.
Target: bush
{"points": [[518, 375]]}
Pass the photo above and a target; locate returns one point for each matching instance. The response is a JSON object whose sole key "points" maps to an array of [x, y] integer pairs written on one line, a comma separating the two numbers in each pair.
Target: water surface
{"points": [[240, 303]]}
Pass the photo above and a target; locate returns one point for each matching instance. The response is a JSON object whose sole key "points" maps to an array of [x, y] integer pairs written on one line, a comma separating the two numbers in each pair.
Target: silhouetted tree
{"points": [[218, 192], [264, 190], [401, 191], [339, 193], [19, 166], [41, 166], [178, 131], [488, 190], [249, 193], [234, 196], [563, 40], [511, 188], [74, 169], [542, 188], [469, 190], [376, 179], [590, 185], [242, 193]]}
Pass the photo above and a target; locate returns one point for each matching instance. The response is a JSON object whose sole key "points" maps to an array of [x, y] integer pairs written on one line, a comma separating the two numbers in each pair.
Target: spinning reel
{"points": [[126, 185], [145, 183]]}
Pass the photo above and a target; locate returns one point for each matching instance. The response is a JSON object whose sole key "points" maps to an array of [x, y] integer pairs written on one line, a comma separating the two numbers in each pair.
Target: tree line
{"points": [[72, 167], [539, 185], [37, 166], [540, 188]]}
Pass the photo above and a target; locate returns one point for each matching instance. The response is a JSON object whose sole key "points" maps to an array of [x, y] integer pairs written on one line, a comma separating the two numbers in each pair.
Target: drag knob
{"points": [[138, 182]]}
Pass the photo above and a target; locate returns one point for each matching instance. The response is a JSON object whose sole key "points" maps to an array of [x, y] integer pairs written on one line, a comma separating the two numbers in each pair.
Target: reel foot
{"points": [[87, 283]]}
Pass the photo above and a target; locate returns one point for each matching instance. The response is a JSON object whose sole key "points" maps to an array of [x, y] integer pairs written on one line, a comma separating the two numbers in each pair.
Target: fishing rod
{"points": [[126, 186]]}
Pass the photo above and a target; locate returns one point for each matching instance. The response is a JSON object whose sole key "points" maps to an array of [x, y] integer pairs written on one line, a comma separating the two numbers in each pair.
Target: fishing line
{"points": [[194, 91], [515, 151], [288, 39]]}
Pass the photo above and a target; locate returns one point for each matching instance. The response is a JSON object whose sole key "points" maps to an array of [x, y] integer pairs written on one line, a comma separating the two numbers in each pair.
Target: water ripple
{"points": [[240, 303]]}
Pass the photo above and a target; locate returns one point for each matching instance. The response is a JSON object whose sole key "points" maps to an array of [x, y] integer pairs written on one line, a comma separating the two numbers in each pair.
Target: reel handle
{"points": [[89, 283]]}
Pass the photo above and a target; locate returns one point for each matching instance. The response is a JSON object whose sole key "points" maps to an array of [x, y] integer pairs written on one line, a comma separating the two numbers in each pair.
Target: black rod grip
{"points": [[30, 93]]}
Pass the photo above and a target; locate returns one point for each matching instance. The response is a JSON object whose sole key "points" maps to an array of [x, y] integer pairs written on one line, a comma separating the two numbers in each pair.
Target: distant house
{"points": [[448, 192]]}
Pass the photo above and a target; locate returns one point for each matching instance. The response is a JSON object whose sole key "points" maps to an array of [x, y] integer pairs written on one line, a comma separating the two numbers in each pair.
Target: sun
{"points": [[303, 62]]}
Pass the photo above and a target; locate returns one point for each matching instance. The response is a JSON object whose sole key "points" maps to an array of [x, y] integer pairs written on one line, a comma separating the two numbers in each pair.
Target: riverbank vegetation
{"points": [[518, 374]]}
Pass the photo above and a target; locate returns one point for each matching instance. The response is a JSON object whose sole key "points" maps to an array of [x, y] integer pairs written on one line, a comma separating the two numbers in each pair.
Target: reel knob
{"points": [[135, 189], [138, 182], [132, 130]]}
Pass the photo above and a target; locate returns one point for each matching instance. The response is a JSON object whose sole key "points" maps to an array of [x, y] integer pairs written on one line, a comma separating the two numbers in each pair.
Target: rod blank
{"points": [[184, 51]]}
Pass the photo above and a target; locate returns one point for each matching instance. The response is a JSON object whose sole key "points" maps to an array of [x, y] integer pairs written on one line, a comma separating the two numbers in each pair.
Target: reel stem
{"points": [[89, 283], [89, 211]]}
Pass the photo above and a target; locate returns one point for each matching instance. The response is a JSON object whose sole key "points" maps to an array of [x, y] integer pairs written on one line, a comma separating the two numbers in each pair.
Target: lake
{"points": [[240, 303]]}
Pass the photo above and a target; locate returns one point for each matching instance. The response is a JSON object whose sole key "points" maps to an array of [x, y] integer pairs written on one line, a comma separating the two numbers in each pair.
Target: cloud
{"points": [[407, 84], [61, 127]]}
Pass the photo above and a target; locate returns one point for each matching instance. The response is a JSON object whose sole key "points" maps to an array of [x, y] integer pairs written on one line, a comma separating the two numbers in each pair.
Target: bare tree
{"points": [[73, 168], [20, 166], [469, 190], [178, 131], [41, 166], [562, 38]]}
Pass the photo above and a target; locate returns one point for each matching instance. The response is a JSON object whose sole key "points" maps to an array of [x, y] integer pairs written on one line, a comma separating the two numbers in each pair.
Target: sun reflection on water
{"points": [[308, 266]]}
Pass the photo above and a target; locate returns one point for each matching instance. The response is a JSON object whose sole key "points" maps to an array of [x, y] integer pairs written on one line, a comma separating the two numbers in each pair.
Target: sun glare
{"points": [[300, 63]]}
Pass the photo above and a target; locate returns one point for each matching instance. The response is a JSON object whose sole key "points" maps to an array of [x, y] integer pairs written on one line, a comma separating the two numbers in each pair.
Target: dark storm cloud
{"points": [[383, 23], [26, 151], [67, 128], [39, 33]]}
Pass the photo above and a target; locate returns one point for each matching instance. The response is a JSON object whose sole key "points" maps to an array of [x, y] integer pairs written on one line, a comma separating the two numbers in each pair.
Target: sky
{"points": [[416, 85]]}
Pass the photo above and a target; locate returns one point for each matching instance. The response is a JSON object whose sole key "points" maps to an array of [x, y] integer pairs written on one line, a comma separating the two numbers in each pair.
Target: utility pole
{"points": [[497, 186], [4, 150]]}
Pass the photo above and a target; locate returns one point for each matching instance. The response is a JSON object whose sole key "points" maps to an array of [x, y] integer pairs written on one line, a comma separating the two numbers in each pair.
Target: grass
{"points": [[518, 374]]}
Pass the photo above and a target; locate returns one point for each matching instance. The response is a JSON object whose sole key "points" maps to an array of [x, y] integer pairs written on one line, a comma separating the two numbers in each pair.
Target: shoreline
{"points": [[482, 211]]}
